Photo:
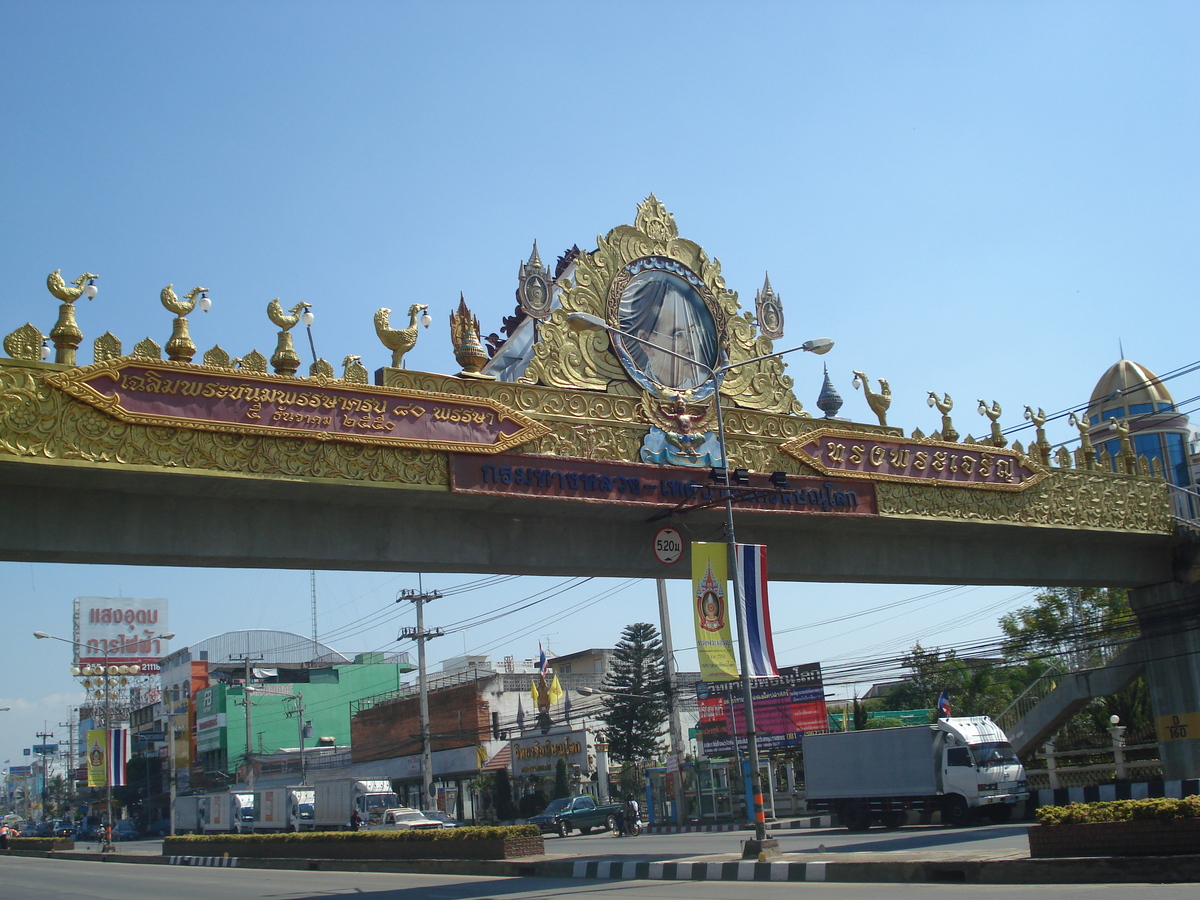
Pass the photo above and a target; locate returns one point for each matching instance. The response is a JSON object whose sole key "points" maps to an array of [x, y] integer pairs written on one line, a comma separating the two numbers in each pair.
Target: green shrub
{"points": [[34, 843], [463, 833], [1159, 809]]}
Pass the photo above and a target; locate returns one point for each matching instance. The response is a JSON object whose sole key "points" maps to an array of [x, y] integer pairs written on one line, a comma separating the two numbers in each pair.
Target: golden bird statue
{"points": [[177, 306], [879, 402], [398, 340], [285, 320], [180, 347], [58, 287]]}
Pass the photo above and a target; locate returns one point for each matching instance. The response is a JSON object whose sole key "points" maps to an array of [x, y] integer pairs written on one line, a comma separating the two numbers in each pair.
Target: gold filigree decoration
{"points": [[217, 358], [41, 422], [253, 362], [322, 367], [353, 371], [583, 360], [1068, 497], [106, 347], [25, 343], [147, 348]]}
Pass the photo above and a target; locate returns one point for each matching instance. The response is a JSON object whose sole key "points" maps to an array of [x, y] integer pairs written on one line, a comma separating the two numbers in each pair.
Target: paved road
{"points": [[50, 879]]}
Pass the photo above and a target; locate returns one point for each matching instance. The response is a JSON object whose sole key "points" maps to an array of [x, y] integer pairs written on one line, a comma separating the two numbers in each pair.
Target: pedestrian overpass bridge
{"points": [[564, 452]]}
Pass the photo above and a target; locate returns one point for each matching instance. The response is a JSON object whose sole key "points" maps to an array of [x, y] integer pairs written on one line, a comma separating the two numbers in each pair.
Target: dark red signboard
{"points": [[882, 458], [186, 396], [605, 482]]}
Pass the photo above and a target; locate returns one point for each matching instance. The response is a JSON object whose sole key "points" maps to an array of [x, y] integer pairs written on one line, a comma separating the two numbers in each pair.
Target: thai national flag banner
{"points": [[118, 756], [752, 572]]}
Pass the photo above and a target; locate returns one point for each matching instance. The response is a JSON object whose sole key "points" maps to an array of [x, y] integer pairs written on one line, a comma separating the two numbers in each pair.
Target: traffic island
{"points": [[1155, 827], [499, 842]]}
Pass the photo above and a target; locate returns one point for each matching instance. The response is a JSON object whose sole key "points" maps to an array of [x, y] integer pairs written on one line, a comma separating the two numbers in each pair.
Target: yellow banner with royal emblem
{"points": [[710, 591], [97, 757]]}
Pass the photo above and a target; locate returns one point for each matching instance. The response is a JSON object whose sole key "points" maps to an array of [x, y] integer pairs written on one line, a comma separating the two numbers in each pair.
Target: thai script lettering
{"points": [[114, 616], [920, 461], [549, 747]]}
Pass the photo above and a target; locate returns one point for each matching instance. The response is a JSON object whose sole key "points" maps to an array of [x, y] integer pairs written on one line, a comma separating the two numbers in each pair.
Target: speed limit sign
{"points": [[668, 546]]}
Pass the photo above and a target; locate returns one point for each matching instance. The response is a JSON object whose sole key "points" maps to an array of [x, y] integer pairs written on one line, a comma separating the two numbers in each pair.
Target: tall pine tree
{"points": [[635, 715]]}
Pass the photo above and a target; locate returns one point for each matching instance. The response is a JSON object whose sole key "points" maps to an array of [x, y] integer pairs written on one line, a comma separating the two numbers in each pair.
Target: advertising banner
{"points": [[210, 719], [122, 627], [785, 708], [714, 638]]}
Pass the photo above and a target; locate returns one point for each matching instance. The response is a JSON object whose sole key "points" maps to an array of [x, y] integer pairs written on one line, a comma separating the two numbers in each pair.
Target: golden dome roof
{"points": [[1127, 383]]}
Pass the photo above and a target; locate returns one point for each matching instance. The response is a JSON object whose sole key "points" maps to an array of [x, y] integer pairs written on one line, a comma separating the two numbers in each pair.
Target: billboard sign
{"points": [[785, 708], [539, 754], [124, 628], [210, 719]]}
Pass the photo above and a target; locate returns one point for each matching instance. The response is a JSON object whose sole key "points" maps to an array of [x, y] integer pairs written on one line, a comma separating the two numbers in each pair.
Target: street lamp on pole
{"points": [[578, 321], [108, 671]]}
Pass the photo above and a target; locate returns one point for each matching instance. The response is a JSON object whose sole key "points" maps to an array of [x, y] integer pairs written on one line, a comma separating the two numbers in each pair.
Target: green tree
{"points": [[562, 787], [635, 713], [1068, 623]]}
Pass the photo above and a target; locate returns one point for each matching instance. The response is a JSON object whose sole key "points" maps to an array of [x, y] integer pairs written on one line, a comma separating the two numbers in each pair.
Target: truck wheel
{"points": [[611, 823], [1000, 813], [956, 813], [894, 818], [563, 829], [856, 816]]}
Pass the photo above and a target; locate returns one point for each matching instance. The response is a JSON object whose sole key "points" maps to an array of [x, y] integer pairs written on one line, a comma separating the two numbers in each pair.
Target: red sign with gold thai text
{"points": [[883, 458], [186, 396]]}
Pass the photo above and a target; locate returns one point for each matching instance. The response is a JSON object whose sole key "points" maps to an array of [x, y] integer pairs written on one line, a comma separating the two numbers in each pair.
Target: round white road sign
{"points": [[668, 546]]}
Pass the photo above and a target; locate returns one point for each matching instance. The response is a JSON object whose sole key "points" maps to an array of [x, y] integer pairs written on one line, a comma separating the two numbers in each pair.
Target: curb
{"points": [[1076, 870], [812, 822]]}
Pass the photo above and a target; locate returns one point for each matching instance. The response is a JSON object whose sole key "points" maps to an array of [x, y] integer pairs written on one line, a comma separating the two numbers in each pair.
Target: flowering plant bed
{"points": [[498, 842], [1153, 827]]}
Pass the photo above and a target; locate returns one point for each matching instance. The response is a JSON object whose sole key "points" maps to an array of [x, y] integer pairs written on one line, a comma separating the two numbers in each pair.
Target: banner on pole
{"points": [[760, 645], [118, 755], [97, 757], [714, 638]]}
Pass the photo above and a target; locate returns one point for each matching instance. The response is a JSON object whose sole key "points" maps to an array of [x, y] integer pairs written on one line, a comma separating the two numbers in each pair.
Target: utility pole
{"points": [[301, 728], [70, 726], [420, 635], [45, 774], [673, 722], [247, 659]]}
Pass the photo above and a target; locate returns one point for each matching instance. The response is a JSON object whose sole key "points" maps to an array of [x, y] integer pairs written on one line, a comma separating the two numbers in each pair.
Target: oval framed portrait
{"points": [[668, 316]]}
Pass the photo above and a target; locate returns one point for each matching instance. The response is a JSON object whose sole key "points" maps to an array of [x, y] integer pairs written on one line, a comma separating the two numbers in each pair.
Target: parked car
{"points": [[580, 813], [64, 828], [159, 828], [446, 819], [405, 819], [126, 830]]}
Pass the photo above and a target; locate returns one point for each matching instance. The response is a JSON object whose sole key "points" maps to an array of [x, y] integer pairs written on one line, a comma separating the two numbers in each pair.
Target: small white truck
{"points": [[958, 767], [337, 799]]}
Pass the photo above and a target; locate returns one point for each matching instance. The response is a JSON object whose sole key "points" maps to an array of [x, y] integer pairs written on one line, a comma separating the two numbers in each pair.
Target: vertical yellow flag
{"points": [[97, 756], [714, 639]]}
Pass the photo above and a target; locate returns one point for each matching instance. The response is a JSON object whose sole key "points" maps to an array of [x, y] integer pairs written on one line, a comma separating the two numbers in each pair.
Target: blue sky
{"points": [[979, 199]]}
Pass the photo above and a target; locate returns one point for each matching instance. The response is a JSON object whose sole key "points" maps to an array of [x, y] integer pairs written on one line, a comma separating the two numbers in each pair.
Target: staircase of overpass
{"points": [[1065, 688]]}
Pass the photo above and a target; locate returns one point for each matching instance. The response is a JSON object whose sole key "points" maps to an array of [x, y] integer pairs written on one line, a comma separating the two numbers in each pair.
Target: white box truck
{"points": [[283, 809], [187, 814], [226, 811], [337, 799], [957, 767]]}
